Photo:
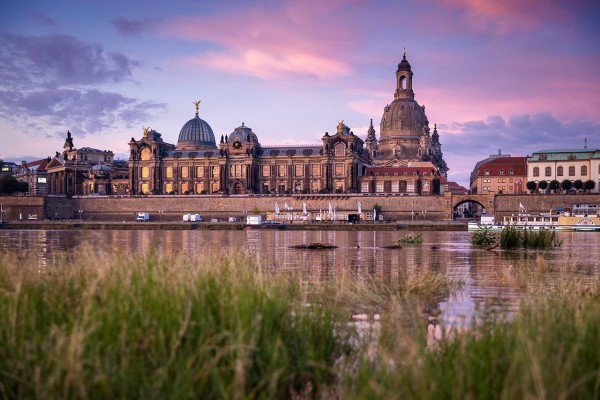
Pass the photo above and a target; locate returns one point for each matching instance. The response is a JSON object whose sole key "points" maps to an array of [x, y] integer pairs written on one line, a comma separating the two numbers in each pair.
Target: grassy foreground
{"points": [[147, 326]]}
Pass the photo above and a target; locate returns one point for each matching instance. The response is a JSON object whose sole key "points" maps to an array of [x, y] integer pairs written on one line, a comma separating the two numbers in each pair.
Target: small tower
{"points": [[371, 141], [404, 80]]}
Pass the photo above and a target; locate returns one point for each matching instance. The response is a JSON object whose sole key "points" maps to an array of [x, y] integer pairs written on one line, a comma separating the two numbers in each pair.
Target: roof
{"points": [[480, 163], [517, 164], [564, 155]]}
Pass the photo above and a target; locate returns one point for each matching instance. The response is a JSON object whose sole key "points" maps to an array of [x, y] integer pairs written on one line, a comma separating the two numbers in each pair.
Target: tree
{"points": [[543, 185], [531, 186], [436, 186], [377, 209], [8, 184], [554, 185], [578, 184], [23, 187], [566, 185], [589, 185]]}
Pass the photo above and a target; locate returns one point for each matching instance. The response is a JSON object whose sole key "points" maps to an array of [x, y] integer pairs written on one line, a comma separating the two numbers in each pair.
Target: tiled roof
{"points": [[517, 164]]}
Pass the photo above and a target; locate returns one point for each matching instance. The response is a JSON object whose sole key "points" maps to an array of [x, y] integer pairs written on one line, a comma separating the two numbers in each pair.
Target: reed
{"points": [[411, 239], [484, 237], [99, 325], [512, 237]]}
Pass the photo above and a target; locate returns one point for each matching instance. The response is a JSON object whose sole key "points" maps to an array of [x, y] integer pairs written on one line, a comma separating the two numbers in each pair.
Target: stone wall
{"points": [[172, 208]]}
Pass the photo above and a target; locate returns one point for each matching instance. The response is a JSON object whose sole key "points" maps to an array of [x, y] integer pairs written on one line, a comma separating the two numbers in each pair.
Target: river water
{"points": [[488, 276]]}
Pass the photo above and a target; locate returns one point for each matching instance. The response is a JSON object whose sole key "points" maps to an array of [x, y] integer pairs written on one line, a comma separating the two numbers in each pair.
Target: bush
{"points": [[411, 239], [531, 186], [484, 237], [8, 184], [578, 184], [566, 185], [589, 185], [554, 185], [543, 185]]}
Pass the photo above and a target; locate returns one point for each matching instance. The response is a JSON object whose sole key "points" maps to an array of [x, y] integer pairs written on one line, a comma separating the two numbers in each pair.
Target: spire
{"points": [[371, 131], [585, 143]]}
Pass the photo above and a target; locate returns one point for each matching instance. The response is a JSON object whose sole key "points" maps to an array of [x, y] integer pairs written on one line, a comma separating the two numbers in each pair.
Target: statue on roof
{"points": [[146, 129], [340, 126], [69, 142], [197, 104]]}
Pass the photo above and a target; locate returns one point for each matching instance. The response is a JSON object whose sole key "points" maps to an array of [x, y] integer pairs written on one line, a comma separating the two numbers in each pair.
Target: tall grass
{"points": [[99, 325], [512, 237]]}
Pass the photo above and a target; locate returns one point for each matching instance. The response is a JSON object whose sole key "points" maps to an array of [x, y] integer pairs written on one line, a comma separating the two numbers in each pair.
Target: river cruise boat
{"points": [[581, 217]]}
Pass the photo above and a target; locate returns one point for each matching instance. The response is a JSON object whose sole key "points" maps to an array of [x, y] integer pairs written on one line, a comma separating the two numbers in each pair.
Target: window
{"points": [[281, 170], [339, 169], [501, 172], [510, 180], [214, 172], [200, 172], [548, 171], [199, 187], [487, 172], [339, 185], [364, 187], [315, 170], [395, 187], [571, 171], [184, 187], [215, 187], [379, 187], [168, 187], [146, 154], [41, 180], [315, 186], [583, 170], [536, 171], [145, 172], [299, 170], [559, 171], [340, 150], [184, 173], [169, 172], [266, 170], [410, 186], [511, 171], [145, 188]]}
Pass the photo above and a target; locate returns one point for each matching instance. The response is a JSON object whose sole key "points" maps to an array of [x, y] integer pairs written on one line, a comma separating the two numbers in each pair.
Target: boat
{"points": [[580, 217]]}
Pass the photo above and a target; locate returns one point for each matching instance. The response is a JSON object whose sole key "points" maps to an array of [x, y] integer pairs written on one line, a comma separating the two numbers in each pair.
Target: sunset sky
{"points": [[516, 75]]}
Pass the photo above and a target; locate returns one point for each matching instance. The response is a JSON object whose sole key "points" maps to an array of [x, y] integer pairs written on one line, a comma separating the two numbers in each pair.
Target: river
{"points": [[487, 275]]}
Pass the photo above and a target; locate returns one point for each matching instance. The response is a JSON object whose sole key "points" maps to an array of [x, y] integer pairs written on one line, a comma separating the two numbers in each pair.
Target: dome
{"points": [[101, 167], [404, 65], [403, 117], [196, 134], [243, 134]]}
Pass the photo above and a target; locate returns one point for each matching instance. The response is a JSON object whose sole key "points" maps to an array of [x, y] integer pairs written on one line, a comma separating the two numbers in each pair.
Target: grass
{"points": [[512, 237], [484, 237], [99, 325], [411, 239]]}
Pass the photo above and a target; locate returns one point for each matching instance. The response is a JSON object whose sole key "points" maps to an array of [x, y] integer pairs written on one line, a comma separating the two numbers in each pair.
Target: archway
{"points": [[238, 188], [467, 209]]}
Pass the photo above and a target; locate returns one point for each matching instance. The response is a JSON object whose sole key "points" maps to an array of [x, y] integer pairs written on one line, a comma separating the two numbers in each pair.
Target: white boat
{"points": [[581, 217]]}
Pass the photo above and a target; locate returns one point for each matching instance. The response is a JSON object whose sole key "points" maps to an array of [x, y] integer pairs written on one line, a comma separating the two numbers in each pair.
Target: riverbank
{"points": [[126, 225]]}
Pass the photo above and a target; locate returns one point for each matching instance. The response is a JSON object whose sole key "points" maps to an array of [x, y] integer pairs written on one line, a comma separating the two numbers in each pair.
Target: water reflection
{"points": [[489, 276]]}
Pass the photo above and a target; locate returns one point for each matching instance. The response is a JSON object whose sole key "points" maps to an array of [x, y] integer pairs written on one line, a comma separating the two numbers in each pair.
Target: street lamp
{"points": [[80, 216]]}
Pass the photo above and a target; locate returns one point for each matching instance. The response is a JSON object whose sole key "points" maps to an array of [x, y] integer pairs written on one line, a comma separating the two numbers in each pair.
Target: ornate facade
{"points": [[239, 164]]}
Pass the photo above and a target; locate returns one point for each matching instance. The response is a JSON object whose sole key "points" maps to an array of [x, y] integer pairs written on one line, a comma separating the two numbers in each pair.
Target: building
{"points": [[341, 163], [8, 168], [86, 171], [500, 175], [35, 174], [565, 165]]}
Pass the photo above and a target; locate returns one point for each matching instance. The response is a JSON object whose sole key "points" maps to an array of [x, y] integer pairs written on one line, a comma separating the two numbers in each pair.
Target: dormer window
{"points": [[501, 172], [487, 172]]}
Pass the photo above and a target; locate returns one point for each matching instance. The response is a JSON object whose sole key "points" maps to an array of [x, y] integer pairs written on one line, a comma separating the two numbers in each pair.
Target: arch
{"points": [[236, 187], [340, 149]]}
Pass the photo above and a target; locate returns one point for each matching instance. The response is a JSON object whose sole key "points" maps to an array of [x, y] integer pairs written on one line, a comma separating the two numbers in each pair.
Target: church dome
{"points": [[403, 117], [243, 134], [196, 134]]}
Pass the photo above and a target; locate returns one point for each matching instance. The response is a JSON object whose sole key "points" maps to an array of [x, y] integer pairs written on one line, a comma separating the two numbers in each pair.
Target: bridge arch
{"points": [[486, 201]]}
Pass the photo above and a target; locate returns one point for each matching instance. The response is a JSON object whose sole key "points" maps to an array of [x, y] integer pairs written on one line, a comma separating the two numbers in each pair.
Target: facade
{"points": [[560, 165], [8, 168], [501, 175], [404, 130], [341, 163], [35, 174], [75, 171]]}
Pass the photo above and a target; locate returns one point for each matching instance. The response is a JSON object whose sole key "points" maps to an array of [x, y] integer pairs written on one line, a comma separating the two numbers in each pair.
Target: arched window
{"points": [[559, 171], [583, 170], [571, 171], [145, 154], [536, 171], [548, 171], [340, 150]]}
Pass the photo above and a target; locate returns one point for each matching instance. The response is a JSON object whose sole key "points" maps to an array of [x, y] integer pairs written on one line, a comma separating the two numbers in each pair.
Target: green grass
{"points": [[411, 239], [98, 325], [484, 237], [512, 237]]}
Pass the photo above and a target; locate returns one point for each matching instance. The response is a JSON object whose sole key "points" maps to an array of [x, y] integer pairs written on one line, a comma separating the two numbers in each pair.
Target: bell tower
{"points": [[404, 80]]}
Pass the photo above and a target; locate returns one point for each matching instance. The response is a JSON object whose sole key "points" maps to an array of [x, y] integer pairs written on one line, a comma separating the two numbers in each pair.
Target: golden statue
{"points": [[146, 129], [340, 126], [197, 104]]}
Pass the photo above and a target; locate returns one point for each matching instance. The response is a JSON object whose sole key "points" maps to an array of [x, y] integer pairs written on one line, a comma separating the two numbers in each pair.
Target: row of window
{"points": [[500, 180], [241, 170], [560, 171], [501, 172]]}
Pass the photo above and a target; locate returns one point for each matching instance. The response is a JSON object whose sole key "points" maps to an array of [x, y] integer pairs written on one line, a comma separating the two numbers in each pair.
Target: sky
{"points": [[515, 75]]}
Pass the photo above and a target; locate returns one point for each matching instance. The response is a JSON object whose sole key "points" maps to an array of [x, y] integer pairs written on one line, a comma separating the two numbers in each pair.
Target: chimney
{"points": [[499, 152]]}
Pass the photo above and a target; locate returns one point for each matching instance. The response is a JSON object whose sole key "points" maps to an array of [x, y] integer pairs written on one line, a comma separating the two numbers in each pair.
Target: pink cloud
{"points": [[271, 42]]}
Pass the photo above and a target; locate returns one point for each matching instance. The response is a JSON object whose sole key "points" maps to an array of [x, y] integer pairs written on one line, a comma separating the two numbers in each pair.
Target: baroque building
{"points": [[341, 163]]}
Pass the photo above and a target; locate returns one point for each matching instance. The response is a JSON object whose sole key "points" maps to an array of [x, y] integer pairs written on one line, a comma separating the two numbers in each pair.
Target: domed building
{"points": [[341, 163], [196, 134], [404, 129]]}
